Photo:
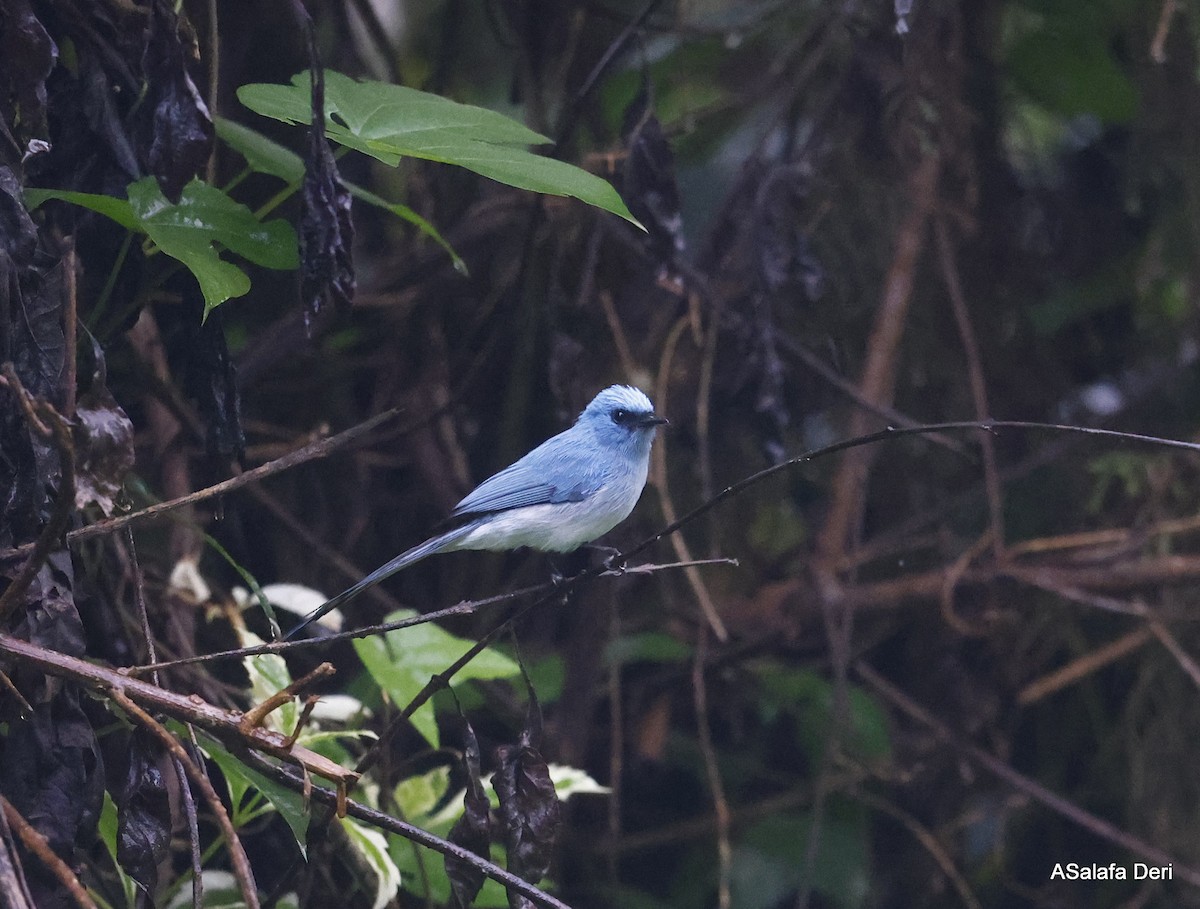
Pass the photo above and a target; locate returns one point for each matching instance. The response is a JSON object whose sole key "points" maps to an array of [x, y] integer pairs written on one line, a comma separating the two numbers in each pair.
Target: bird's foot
{"points": [[613, 558]]}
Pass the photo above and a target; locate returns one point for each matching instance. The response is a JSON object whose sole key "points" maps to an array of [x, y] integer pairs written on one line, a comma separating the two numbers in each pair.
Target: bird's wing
{"points": [[554, 472]]}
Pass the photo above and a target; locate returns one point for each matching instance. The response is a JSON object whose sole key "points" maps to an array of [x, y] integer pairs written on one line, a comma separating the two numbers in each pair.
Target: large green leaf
{"points": [[203, 215], [264, 155], [390, 122], [187, 231], [241, 779], [109, 206], [401, 662], [268, 157]]}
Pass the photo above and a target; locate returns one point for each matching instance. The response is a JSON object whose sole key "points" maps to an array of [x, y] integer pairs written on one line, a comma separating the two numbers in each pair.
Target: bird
{"points": [[570, 490]]}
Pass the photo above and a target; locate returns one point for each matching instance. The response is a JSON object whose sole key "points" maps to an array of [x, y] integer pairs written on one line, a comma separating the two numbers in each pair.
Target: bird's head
{"points": [[622, 416]]}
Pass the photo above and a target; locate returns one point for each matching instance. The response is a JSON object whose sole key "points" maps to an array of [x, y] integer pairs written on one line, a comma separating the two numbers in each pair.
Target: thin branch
{"points": [[693, 828], [926, 839], [926, 585], [1158, 51], [1082, 666], [1075, 583], [318, 449], [571, 113], [380, 38], [1056, 803], [878, 377], [37, 844], [12, 875], [979, 397], [317, 547], [7, 684], [70, 330], [896, 433], [330, 798], [712, 773], [193, 825], [214, 84], [259, 712], [848, 388], [467, 607], [185, 791], [224, 724], [658, 457], [952, 575], [1168, 640]]}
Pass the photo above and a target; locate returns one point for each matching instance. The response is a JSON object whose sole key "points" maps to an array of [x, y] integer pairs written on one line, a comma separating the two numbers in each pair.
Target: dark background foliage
{"points": [[858, 215]]}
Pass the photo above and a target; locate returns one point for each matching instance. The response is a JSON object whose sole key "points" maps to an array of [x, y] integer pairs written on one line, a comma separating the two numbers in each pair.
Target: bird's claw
{"points": [[615, 563]]}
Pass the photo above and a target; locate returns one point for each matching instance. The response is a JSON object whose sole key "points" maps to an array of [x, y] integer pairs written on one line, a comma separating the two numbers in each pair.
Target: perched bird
{"points": [[568, 491]]}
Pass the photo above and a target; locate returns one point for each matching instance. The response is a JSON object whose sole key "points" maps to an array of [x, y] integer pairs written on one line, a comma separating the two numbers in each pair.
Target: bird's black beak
{"points": [[653, 419]]}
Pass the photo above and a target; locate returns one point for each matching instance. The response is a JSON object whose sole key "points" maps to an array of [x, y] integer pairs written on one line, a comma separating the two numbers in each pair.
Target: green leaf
{"points": [[418, 796], [267, 157], [262, 154], [646, 647], [205, 215], [375, 110], [268, 676], [431, 870], [769, 860], [809, 699], [1073, 74], [390, 122], [407, 214], [373, 846], [109, 206], [240, 779], [401, 662], [188, 229], [107, 828]]}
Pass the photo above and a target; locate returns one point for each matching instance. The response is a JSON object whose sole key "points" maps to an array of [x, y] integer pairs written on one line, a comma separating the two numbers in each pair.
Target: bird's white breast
{"points": [[560, 527]]}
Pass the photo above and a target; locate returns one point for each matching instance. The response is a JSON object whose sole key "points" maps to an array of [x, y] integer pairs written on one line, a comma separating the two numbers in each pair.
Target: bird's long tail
{"points": [[431, 546]]}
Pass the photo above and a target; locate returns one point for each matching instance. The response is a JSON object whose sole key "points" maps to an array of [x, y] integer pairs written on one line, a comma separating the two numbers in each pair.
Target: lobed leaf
{"points": [[390, 122], [401, 662]]}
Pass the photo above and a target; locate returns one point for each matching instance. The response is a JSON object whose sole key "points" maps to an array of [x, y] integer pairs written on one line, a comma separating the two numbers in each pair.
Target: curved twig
{"points": [[329, 798], [36, 843], [1067, 809]]}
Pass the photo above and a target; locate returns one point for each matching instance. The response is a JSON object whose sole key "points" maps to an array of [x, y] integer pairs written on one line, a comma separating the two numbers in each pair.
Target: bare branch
{"points": [[1056, 803], [36, 843], [318, 449]]}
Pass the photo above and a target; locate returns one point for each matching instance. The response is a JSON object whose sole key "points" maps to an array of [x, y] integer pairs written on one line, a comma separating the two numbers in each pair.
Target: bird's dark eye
{"points": [[621, 416]]}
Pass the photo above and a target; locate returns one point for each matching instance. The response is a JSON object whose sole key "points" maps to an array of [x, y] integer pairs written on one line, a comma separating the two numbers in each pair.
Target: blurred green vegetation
{"points": [[773, 150]]}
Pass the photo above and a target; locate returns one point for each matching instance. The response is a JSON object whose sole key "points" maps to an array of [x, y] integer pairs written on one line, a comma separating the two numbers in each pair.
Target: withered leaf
{"points": [[143, 812], [326, 230], [472, 830], [29, 56], [212, 379], [176, 134], [530, 812], [649, 187], [103, 441]]}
